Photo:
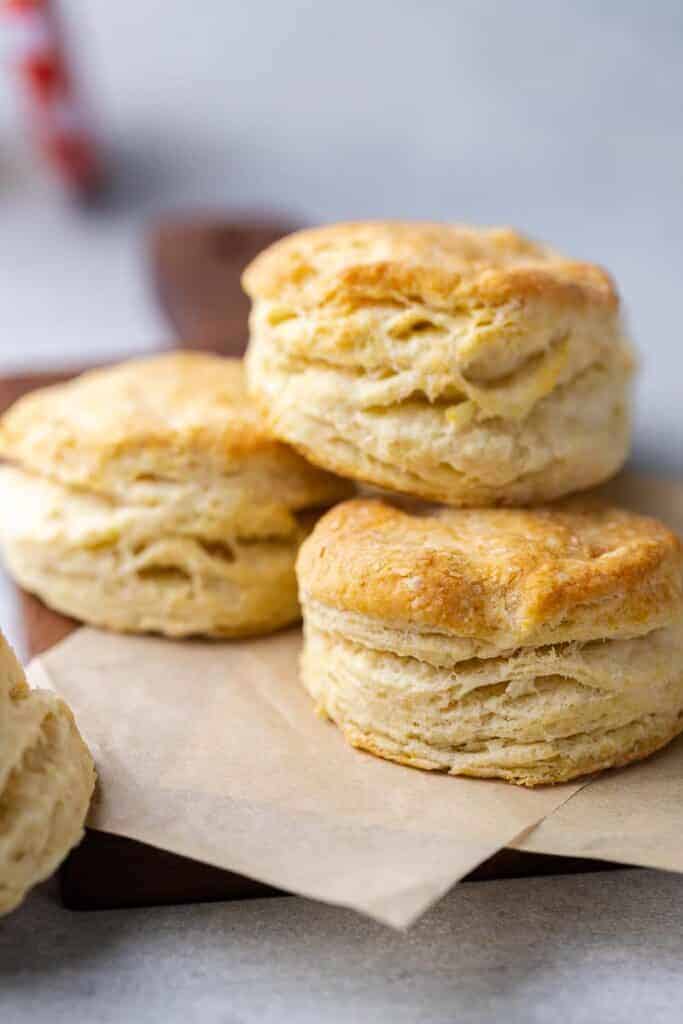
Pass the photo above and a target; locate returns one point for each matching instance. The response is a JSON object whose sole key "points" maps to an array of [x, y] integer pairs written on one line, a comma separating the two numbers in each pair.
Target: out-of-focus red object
{"points": [[56, 110]]}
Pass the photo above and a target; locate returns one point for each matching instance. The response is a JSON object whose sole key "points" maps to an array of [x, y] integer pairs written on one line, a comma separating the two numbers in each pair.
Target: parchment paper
{"points": [[213, 751], [632, 816]]}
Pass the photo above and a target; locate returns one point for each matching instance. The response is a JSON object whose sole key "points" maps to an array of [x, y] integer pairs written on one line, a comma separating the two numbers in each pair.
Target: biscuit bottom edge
{"points": [[185, 561], [164, 600], [533, 718], [562, 771]]}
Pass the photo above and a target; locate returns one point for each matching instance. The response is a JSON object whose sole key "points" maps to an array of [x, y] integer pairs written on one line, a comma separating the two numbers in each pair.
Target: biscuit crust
{"points": [[506, 578], [438, 264], [164, 419], [465, 365]]}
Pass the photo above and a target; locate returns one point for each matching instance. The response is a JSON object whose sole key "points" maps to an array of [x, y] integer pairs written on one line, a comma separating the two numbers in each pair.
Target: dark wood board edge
{"points": [[196, 262], [108, 872]]}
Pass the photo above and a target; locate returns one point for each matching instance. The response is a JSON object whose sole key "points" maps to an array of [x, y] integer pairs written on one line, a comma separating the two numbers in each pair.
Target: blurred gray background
{"points": [[562, 119]]}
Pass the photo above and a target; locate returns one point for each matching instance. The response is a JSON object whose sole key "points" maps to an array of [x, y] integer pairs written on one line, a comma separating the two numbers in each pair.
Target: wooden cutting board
{"points": [[196, 266]]}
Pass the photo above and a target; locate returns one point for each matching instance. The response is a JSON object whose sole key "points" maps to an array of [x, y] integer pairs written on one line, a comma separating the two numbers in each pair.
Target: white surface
{"points": [[561, 118]]}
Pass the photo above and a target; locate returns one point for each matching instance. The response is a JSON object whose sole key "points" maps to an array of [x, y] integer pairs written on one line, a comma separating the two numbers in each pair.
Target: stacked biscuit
{"points": [[477, 369]]}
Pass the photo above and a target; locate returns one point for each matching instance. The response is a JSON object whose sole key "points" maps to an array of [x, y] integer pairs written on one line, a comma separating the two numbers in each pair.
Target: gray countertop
{"points": [[561, 118], [580, 949]]}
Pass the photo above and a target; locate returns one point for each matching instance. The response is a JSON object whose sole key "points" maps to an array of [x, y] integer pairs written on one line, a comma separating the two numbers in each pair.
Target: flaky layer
{"points": [[448, 584], [573, 439], [151, 496], [149, 428], [46, 781], [470, 366], [532, 717], [149, 568]]}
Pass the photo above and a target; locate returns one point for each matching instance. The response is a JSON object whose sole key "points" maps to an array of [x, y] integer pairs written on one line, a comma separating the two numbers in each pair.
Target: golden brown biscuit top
{"points": [[574, 570], [170, 414], [445, 266]]}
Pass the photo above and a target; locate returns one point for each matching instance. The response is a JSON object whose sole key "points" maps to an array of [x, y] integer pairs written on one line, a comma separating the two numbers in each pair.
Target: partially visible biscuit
{"points": [[151, 497], [464, 365], [46, 782], [529, 645]]}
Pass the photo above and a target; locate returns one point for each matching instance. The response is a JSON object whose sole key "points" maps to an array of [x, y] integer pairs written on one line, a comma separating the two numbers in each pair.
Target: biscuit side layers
{"points": [[463, 365], [153, 567], [536, 716]]}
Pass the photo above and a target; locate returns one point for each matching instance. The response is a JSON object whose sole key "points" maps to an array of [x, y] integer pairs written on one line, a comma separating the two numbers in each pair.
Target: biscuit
{"points": [[463, 365], [528, 645], [151, 497], [46, 782]]}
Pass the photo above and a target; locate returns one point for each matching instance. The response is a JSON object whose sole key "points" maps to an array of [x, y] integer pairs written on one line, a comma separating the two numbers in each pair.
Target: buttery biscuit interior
{"points": [[46, 782]]}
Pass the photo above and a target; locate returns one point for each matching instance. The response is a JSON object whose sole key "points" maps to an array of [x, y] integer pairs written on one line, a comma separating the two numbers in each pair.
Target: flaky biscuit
{"points": [[46, 782], [150, 497], [470, 366], [533, 646]]}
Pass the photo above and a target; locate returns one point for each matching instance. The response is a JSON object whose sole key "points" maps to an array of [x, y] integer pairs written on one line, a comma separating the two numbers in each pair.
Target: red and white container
{"points": [[55, 108]]}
